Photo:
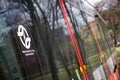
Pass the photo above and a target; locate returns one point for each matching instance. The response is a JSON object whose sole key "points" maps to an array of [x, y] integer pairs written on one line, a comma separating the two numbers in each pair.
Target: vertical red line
{"points": [[99, 48], [72, 37]]}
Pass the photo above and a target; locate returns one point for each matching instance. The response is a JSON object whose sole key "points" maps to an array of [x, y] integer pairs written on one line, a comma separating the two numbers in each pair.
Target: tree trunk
{"points": [[115, 40], [45, 36]]}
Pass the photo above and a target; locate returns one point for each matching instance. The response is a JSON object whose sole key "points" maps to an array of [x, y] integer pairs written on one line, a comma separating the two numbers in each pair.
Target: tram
{"points": [[54, 40]]}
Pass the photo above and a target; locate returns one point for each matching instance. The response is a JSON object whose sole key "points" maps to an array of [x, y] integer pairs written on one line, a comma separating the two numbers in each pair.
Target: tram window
{"points": [[33, 48]]}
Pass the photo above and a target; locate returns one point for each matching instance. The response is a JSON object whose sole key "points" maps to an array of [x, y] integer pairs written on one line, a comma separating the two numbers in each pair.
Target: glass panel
{"points": [[35, 43], [10, 67]]}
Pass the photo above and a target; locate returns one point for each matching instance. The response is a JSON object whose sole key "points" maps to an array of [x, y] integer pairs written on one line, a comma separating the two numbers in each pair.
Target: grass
{"points": [[118, 54]]}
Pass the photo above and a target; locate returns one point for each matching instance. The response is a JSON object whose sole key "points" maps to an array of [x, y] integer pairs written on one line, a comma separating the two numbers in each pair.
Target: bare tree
{"points": [[109, 10]]}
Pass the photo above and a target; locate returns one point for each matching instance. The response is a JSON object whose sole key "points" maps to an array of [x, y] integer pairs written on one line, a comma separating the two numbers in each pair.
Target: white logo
{"points": [[24, 37]]}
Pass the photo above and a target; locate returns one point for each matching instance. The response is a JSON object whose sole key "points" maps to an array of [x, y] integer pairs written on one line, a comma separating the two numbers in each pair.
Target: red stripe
{"points": [[72, 37], [100, 49]]}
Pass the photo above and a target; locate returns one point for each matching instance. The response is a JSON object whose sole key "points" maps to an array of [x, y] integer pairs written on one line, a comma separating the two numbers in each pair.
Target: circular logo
{"points": [[24, 37]]}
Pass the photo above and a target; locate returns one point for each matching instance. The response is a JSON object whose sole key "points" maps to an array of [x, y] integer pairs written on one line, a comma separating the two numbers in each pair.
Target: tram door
{"points": [[28, 56], [19, 60]]}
